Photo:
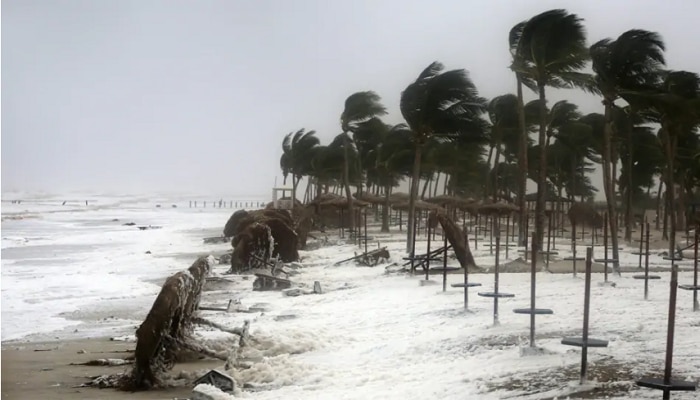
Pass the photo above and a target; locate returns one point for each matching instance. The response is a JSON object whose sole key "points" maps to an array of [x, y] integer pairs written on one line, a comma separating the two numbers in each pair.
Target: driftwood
{"points": [[370, 258], [265, 282], [457, 239], [171, 317]]}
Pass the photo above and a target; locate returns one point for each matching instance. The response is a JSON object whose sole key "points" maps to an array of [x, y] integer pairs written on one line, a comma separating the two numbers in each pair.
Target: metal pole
{"points": [[549, 237], [444, 264], [533, 277], [507, 233], [641, 245], [696, 306], [365, 237], [573, 244], [427, 259], [646, 265], [671, 318], [495, 285], [605, 245], [586, 309]]}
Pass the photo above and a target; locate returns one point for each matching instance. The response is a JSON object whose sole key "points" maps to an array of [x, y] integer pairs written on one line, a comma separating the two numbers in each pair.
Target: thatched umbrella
{"points": [[420, 206], [499, 208], [323, 197], [445, 200], [342, 202], [398, 197], [369, 198]]}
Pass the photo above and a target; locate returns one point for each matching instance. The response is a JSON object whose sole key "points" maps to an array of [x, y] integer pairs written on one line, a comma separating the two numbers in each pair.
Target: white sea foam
{"points": [[370, 335]]}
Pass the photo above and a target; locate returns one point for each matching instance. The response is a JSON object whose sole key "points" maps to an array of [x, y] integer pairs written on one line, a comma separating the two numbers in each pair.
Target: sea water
{"points": [[65, 263]]}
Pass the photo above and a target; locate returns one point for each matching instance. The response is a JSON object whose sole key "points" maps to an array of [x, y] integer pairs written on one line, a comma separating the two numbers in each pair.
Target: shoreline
{"points": [[43, 370]]}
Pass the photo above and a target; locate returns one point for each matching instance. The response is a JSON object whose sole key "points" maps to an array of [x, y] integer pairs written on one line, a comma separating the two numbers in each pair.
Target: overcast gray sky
{"points": [[196, 96]]}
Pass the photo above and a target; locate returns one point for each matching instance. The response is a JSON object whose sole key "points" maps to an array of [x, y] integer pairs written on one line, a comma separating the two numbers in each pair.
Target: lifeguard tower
{"points": [[282, 198]]}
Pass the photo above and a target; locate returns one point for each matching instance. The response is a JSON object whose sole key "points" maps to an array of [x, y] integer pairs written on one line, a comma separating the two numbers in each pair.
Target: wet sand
{"points": [[47, 373]]}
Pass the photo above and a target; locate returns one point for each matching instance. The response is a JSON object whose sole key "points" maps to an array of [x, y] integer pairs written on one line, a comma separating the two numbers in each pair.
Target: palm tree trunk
{"points": [[437, 181], [489, 177], [425, 187], [658, 204], [495, 171], [412, 198], [522, 165], [542, 178], [385, 209], [628, 194], [295, 182], [346, 181], [608, 184]]}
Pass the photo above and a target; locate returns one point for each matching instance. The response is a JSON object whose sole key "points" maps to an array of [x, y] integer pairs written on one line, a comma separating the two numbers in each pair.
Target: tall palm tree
{"points": [[359, 107], [392, 162], [631, 62], [551, 50], [296, 147], [444, 103], [503, 115]]}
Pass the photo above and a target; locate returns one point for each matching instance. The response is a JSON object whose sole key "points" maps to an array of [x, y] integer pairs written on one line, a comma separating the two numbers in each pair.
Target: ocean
{"points": [[65, 262]]}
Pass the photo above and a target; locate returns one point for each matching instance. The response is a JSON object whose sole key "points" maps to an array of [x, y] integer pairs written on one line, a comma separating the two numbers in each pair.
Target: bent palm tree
{"points": [[296, 149], [631, 62], [359, 107], [551, 49], [439, 103]]}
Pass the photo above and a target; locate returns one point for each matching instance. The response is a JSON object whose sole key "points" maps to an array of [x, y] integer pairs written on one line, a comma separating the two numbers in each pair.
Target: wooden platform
{"points": [[673, 386], [470, 284], [536, 311], [492, 294], [644, 277], [578, 342]]}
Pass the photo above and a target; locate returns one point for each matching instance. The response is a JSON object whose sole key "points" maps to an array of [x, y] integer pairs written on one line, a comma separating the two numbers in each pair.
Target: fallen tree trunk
{"points": [[170, 317], [457, 239]]}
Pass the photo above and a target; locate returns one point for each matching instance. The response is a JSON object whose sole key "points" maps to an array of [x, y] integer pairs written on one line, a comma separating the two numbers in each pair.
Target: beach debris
{"points": [[168, 325], [110, 362], [231, 307], [225, 258], [265, 282], [144, 228], [206, 391], [457, 238], [370, 258], [260, 236], [215, 239], [317, 287]]}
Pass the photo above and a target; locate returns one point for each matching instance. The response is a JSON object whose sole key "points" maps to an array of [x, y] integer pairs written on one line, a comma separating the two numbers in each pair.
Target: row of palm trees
{"points": [[449, 129]]}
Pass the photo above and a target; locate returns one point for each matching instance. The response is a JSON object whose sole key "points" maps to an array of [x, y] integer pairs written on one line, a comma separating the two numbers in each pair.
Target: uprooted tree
{"points": [[169, 322], [262, 235], [168, 330]]}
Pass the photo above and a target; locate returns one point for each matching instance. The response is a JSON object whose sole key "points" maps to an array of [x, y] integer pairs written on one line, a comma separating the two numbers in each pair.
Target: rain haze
{"points": [[147, 96]]}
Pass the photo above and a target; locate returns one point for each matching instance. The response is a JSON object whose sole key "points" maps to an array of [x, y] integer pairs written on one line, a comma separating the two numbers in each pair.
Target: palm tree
{"points": [[296, 147], [359, 107], [551, 49], [439, 103], [503, 115], [631, 62], [392, 161]]}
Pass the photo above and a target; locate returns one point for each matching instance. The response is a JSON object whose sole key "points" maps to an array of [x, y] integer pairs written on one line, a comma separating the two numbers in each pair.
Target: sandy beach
{"points": [[44, 370]]}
